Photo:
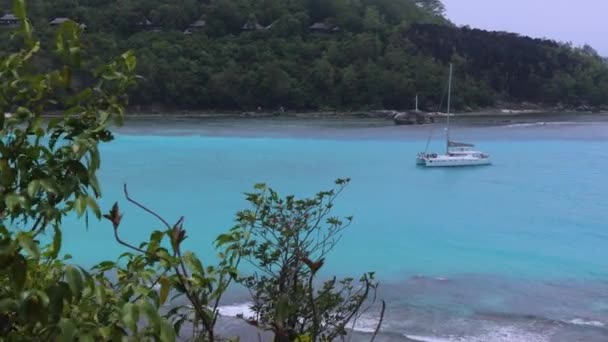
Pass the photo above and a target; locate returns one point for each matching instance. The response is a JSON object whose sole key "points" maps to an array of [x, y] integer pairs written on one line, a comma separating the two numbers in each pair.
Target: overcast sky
{"points": [[577, 21]]}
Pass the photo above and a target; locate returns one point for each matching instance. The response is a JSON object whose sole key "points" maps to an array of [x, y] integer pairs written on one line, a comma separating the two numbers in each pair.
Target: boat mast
{"points": [[447, 143]]}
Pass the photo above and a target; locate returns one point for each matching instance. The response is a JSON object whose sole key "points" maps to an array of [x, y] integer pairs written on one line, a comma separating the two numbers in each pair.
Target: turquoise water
{"points": [[462, 253]]}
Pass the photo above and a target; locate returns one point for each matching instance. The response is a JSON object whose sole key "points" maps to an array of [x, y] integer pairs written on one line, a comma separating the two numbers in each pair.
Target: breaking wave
{"points": [[542, 123]]}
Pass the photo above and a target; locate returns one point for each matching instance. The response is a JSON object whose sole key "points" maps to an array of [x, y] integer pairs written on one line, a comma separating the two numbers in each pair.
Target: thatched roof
{"points": [[145, 22], [198, 24], [9, 17], [59, 20], [250, 25], [320, 26]]}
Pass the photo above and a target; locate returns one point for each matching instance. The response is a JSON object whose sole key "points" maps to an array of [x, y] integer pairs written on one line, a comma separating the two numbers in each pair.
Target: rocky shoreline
{"points": [[491, 116], [485, 117], [234, 327], [502, 109]]}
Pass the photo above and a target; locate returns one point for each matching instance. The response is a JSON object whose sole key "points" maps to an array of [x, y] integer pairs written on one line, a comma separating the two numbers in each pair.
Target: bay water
{"points": [[516, 251]]}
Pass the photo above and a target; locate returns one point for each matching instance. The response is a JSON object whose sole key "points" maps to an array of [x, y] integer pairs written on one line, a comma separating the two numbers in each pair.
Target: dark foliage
{"points": [[313, 54]]}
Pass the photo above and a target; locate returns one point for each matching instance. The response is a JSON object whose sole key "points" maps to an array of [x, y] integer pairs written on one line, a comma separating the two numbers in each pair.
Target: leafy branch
{"points": [[290, 239], [188, 277]]}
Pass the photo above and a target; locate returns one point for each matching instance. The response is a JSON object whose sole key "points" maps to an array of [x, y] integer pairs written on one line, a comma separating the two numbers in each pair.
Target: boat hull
{"points": [[453, 162]]}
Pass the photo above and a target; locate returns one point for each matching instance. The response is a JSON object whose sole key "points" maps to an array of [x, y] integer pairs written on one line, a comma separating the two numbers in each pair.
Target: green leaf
{"points": [[130, 60], [8, 305], [26, 242], [88, 337], [74, 279], [167, 332], [104, 266], [58, 294], [57, 237], [282, 308], [118, 333], [156, 237], [194, 264], [49, 186], [152, 312], [165, 287], [303, 338], [68, 330], [106, 334], [274, 195], [104, 116], [18, 272], [94, 183], [13, 201], [130, 316], [33, 305], [207, 314], [36, 125], [224, 239], [81, 205], [260, 186], [19, 9], [33, 187], [100, 294], [92, 204]]}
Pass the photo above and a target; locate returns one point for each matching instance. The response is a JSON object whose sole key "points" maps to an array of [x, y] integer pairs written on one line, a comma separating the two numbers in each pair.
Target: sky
{"points": [[577, 21]]}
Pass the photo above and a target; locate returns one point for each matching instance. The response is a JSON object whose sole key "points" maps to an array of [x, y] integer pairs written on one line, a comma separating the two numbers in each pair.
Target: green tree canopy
{"points": [[269, 53]]}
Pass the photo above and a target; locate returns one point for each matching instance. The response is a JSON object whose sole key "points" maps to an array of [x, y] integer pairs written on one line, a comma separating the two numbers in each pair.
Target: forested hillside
{"points": [[321, 54]]}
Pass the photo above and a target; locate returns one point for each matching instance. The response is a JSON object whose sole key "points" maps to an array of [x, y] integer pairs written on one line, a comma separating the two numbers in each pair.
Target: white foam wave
{"points": [[365, 323], [541, 123], [518, 111], [368, 324], [428, 338], [237, 309], [581, 321], [498, 334]]}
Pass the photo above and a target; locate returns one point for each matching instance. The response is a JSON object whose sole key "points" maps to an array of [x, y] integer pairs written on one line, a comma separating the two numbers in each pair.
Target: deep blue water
{"points": [[512, 252]]}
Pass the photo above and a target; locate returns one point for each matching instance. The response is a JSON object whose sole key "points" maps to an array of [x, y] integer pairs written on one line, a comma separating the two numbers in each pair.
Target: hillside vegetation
{"points": [[322, 54]]}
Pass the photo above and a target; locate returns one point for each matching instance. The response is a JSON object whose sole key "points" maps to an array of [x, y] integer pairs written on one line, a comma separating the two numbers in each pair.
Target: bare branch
{"points": [[35, 226], [367, 287], [379, 322], [126, 244], [143, 207]]}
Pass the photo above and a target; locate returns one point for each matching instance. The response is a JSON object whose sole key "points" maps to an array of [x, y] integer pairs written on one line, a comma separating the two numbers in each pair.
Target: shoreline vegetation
{"points": [[240, 55]]}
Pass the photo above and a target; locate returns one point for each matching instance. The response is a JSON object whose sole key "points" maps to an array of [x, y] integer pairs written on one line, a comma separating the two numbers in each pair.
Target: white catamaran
{"points": [[457, 153]]}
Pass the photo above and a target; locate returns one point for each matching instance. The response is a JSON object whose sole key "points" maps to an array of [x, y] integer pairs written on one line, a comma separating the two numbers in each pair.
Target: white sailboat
{"points": [[457, 153]]}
